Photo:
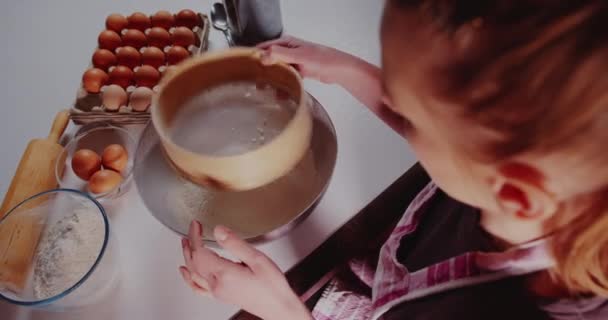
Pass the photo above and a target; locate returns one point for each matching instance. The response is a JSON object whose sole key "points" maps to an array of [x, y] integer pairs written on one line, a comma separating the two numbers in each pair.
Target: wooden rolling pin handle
{"points": [[59, 125]]}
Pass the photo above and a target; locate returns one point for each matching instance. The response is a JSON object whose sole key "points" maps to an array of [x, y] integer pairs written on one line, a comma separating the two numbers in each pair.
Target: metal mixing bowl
{"points": [[256, 215]]}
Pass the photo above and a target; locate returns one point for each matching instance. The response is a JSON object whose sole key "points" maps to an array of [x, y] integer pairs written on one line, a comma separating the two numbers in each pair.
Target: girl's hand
{"points": [[256, 284], [328, 65], [312, 60]]}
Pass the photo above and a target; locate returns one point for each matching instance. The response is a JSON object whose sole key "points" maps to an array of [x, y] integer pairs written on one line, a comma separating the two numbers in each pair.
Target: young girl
{"points": [[506, 105]]}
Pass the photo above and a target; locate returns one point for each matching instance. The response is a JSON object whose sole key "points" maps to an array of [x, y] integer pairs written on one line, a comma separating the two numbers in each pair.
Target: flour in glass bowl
{"points": [[67, 250]]}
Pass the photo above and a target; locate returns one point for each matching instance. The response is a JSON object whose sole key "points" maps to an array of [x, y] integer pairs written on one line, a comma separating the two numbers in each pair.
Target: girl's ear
{"points": [[519, 190]]}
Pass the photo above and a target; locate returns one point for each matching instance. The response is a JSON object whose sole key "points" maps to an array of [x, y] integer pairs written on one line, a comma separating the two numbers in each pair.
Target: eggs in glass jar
{"points": [[85, 163], [115, 157], [104, 181], [102, 173]]}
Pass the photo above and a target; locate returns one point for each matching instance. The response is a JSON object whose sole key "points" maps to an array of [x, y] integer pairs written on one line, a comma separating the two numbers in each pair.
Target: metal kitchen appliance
{"points": [[249, 22]]}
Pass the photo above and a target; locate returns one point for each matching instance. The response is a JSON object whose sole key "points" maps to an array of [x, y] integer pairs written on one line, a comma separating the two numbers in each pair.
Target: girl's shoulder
{"points": [[588, 308], [449, 228]]}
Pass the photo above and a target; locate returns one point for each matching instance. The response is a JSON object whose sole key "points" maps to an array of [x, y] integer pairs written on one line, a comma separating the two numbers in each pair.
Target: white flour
{"points": [[249, 213], [231, 119], [67, 250], [188, 202]]}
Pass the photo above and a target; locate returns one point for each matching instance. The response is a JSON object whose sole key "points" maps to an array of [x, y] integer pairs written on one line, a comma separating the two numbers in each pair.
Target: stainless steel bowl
{"points": [[256, 215]]}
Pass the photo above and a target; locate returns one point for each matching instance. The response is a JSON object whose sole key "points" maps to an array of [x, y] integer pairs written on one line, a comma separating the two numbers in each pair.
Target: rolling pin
{"points": [[19, 234]]}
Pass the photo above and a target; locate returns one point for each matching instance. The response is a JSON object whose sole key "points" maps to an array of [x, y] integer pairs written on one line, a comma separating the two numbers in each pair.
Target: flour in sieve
{"points": [[232, 118], [67, 250], [188, 201]]}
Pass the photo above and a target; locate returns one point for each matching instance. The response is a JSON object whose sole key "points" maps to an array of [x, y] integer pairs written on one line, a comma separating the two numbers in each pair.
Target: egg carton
{"points": [[88, 107]]}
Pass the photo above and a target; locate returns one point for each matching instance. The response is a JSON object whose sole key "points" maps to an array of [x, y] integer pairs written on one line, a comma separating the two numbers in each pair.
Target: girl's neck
{"points": [[543, 285], [509, 231]]}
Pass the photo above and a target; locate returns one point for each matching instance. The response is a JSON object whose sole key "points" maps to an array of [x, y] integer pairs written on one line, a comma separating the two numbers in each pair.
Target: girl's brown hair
{"points": [[535, 74]]}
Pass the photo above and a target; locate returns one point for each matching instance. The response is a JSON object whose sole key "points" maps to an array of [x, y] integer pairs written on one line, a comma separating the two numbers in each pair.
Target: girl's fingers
{"points": [[268, 44], [276, 54], [202, 260], [206, 262], [202, 282], [276, 42], [187, 276], [195, 235], [187, 252], [254, 259]]}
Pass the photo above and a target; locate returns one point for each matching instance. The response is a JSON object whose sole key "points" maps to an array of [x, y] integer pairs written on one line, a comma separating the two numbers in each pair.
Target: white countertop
{"points": [[46, 47]]}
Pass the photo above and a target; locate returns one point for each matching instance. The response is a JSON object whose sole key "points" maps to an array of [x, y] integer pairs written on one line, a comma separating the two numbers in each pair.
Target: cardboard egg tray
{"points": [[88, 107]]}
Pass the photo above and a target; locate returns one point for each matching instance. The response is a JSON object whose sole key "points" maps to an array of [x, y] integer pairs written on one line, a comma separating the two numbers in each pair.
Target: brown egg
{"points": [[122, 76], [140, 99], [93, 79], [128, 56], [146, 76], [158, 37], [187, 18], [163, 19], [109, 40], [115, 157], [139, 21], [116, 22], [103, 59], [176, 54], [152, 56], [113, 97], [85, 163], [183, 37], [165, 70], [104, 181], [134, 38]]}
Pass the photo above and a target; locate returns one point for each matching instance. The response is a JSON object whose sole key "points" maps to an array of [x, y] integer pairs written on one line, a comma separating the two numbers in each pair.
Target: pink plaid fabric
{"points": [[393, 283], [392, 279], [338, 303]]}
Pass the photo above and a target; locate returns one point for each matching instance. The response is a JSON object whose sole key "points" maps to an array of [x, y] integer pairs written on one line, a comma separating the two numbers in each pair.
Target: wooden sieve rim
{"points": [[271, 160]]}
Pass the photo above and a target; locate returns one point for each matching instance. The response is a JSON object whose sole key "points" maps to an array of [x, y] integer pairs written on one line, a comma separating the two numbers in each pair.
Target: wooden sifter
{"points": [[19, 236]]}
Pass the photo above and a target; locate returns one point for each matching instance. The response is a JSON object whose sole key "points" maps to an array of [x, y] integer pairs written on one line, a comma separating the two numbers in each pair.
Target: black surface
{"points": [[363, 234], [449, 229]]}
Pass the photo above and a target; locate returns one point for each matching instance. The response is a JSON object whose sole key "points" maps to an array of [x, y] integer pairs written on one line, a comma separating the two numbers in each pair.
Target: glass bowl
{"points": [[68, 233], [96, 137]]}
